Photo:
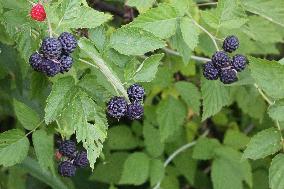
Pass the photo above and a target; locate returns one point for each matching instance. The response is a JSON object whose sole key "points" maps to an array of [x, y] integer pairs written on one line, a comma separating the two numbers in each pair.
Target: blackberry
{"points": [[239, 62], [228, 76], [81, 159], [67, 148], [66, 169], [68, 42], [135, 111], [65, 63], [117, 107], [136, 93], [231, 43], [49, 67], [51, 48], [36, 61], [221, 59], [210, 72]]}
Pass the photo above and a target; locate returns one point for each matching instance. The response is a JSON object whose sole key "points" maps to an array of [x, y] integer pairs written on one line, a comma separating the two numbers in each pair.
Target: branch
{"points": [[198, 58]]}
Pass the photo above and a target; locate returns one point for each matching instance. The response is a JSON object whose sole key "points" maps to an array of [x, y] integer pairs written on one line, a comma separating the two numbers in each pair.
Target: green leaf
{"points": [[14, 146], [204, 148], [157, 171], [276, 111], [214, 96], [152, 140], [134, 41], [43, 145], [140, 5], [236, 139], [266, 9], [170, 115], [276, 172], [190, 94], [71, 14], [26, 115], [264, 143], [59, 97], [121, 138], [267, 72], [135, 169], [228, 171], [146, 72], [161, 21], [189, 32]]}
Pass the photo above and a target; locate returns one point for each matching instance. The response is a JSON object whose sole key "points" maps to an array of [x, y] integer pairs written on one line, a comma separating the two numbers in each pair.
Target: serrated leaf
{"points": [[140, 5], [267, 72], [161, 21], [134, 41], [146, 72], [215, 96], [276, 172], [236, 139], [43, 145], [262, 144], [75, 15], [135, 169], [204, 148], [170, 116], [276, 111], [189, 32], [157, 171], [266, 9], [58, 98], [14, 146], [26, 115], [190, 94], [152, 140]]}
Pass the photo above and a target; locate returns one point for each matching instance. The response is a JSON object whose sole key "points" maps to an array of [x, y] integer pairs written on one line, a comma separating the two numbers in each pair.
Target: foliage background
{"points": [[228, 136]]}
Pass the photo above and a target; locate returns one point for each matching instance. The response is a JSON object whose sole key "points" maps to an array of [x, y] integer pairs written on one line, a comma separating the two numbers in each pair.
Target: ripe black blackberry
{"points": [[66, 62], [135, 111], [67, 148], [51, 48], [228, 76], [239, 62], [35, 61], [49, 67], [68, 42], [117, 107], [136, 93], [210, 72], [66, 169], [231, 43], [221, 60], [81, 159]]}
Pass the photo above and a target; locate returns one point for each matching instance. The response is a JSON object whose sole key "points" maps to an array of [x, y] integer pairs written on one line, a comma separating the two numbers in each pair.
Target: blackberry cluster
{"points": [[54, 55], [223, 66], [71, 159], [118, 107]]}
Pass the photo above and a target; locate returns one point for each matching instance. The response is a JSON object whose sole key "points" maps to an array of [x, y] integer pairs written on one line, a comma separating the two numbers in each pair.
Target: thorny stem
{"points": [[177, 152]]}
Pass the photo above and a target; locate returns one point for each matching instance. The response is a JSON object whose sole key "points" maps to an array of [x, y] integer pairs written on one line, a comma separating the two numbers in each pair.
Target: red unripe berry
{"points": [[38, 12]]}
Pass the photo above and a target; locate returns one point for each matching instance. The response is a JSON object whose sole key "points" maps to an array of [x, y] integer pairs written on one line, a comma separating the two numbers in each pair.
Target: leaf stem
{"points": [[49, 27], [208, 33], [198, 58], [205, 4], [177, 152], [38, 125]]}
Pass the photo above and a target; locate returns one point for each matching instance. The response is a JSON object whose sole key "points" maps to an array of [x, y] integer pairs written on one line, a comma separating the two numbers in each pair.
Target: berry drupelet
{"points": [[239, 62], [221, 60], [230, 44], [67, 148], [65, 63], [66, 169], [81, 159], [36, 61], [68, 42], [117, 107], [210, 72], [49, 67], [228, 76], [135, 111], [51, 48], [136, 93]]}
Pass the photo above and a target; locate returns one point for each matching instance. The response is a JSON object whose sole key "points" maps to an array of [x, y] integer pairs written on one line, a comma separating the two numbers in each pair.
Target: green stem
{"points": [[197, 58]]}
